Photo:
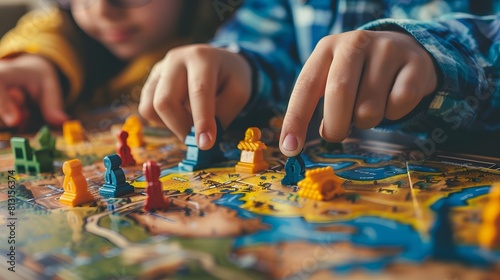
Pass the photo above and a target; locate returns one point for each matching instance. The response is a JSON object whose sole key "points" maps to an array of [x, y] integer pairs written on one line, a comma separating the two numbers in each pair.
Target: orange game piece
{"points": [[133, 126], [73, 132], [155, 199], [123, 150], [489, 231], [252, 152], [320, 184], [75, 187]]}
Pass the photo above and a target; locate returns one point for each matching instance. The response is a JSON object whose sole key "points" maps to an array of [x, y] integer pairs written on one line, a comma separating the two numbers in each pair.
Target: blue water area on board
{"points": [[421, 168], [468, 253], [371, 173], [369, 231], [367, 159]]}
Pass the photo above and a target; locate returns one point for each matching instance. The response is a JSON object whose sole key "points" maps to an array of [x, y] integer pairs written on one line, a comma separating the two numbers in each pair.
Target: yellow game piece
{"points": [[75, 187], [320, 184], [252, 153], [73, 132], [133, 126], [489, 231]]}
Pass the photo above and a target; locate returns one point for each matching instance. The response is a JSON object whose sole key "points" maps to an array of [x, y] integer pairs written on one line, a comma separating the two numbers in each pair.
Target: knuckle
{"points": [[360, 39], [197, 89], [367, 118], [162, 103], [325, 43], [199, 51], [146, 111]]}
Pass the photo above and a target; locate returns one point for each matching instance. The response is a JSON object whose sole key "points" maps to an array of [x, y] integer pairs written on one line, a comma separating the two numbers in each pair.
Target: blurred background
{"points": [[12, 10]]}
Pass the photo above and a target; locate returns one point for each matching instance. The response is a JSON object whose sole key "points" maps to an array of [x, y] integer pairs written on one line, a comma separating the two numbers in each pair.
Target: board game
{"points": [[222, 224]]}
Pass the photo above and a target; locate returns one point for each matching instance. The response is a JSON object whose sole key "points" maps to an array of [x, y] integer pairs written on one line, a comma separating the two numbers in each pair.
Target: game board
{"points": [[227, 225]]}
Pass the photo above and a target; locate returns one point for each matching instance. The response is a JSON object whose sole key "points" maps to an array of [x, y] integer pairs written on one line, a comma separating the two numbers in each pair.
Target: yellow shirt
{"points": [[51, 34]]}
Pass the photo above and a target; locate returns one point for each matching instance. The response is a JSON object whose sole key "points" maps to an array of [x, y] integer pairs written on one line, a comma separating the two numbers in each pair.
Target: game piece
{"points": [[46, 140], [252, 152], [133, 126], [73, 132], [320, 184], [155, 199], [116, 184], [443, 243], [295, 169], [75, 186], [27, 160], [489, 231], [197, 159], [123, 150]]}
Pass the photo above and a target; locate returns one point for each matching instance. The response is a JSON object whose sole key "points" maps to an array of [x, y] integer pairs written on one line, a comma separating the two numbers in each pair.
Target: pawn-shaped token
{"points": [[489, 231], [295, 169], [252, 152], [442, 240], [133, 126], [123, 150], [75, 186], [155, 199], [197, 159], [73, 132], [116, 184]]}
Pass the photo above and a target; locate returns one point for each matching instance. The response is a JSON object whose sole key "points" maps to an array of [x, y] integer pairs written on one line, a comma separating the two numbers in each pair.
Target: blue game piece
{"points": [[197, 159], [295, 169], [116, 184], [443, 243]]}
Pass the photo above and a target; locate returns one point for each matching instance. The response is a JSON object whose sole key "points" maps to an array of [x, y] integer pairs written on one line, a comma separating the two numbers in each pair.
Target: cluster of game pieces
{"points": [[34, 161]]}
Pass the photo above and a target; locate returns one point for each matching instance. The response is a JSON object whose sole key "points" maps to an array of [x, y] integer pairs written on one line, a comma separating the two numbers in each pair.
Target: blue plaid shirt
{"points": [[277, 36]]}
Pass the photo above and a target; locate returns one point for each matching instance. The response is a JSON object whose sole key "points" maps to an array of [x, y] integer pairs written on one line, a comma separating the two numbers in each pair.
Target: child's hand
{"points": [[29, 78], [193, 84], [365, 76]]}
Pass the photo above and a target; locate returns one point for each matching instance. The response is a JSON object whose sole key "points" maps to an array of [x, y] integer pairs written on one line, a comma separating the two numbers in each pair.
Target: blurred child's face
{"points": [[131, 30]]}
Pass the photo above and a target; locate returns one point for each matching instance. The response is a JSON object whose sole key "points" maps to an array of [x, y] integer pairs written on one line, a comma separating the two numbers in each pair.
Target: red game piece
{"points": [[123, 150], [155, 199]]}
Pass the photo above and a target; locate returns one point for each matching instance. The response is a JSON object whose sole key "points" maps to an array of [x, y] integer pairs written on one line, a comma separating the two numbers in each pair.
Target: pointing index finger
{"points": [[309, 88]]}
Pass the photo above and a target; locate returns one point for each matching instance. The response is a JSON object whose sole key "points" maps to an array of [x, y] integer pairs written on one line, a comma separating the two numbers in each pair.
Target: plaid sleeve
{"points": [[263, 32], [467, 50]]}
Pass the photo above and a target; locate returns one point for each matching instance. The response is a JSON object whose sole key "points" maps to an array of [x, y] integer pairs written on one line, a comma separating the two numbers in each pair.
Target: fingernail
{"points": [[290, 143], [203, 140], [10, 120]]}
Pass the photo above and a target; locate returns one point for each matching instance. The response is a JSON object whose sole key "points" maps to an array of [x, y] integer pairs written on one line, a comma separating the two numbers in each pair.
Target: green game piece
{"points": [[46, 140], [29, 161]]}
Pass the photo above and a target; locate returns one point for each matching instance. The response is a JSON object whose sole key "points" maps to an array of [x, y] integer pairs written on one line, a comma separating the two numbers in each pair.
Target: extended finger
{"points": [[309, 88], [51, 101], [10, 113], [202, 86]]}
